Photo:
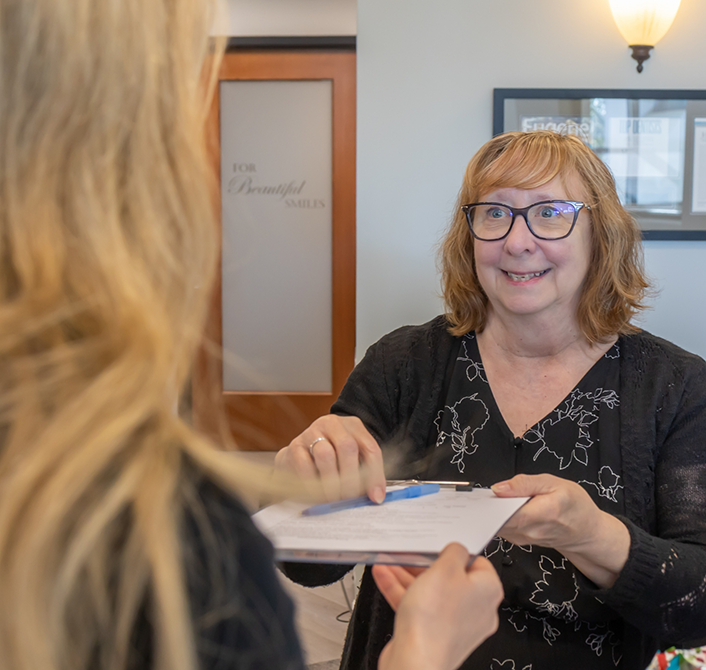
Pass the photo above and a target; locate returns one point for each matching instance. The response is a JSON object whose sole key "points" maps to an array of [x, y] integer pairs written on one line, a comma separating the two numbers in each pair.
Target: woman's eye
{"points": [[497, 213], [548, 212]]}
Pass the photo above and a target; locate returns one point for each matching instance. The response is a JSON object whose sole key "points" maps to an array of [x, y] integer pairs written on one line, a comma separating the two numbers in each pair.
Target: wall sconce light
{"points": [[643, 23]]}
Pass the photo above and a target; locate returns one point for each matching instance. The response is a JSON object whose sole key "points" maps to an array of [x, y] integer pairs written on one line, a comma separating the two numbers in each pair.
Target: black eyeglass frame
{"points": [[524, 212]]}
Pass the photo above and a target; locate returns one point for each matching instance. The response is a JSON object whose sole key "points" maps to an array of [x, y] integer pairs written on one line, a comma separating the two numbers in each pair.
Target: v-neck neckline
{"points": [[500, 419]]}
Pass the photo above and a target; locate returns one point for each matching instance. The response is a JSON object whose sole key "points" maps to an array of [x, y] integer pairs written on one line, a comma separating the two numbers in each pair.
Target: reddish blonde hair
{"points": [[615, 285]]}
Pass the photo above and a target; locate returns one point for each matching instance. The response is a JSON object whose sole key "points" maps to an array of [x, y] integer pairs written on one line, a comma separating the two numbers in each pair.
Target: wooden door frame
{"points": [[287, 411]]}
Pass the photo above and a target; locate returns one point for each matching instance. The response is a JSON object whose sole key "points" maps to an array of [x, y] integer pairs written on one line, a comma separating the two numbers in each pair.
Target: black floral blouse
{"points": [[546, 620]]}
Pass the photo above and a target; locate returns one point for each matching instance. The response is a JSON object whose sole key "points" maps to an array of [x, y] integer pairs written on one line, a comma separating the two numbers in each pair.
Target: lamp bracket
{"points": [[640, 52]]}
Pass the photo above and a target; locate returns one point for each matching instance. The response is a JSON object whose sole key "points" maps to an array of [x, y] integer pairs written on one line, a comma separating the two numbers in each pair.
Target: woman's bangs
{"points": [[524, 165]]}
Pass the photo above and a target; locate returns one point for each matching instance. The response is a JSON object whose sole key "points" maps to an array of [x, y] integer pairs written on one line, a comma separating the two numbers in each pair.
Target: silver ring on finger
{"points": [[311, 446]]}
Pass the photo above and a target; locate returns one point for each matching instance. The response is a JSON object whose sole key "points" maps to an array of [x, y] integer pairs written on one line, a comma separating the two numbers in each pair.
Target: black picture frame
{"points": [[677, 146]]}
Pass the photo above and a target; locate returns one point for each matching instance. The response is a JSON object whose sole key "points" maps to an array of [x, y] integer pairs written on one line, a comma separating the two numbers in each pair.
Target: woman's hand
{"points": [[340, 451], [562, 516], [443, 614]]}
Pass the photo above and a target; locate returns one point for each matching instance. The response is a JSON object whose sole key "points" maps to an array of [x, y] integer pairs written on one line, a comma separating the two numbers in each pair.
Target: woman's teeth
{"points": [[526, 277]]}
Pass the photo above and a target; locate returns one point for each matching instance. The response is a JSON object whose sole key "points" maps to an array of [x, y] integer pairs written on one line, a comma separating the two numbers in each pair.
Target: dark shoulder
{"points": [[430, 337], [244, 618], [649, 354], [661, 380]]}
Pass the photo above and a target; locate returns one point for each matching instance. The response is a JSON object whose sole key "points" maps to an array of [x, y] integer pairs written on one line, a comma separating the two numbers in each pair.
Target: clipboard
{"points": [[405, 532]]}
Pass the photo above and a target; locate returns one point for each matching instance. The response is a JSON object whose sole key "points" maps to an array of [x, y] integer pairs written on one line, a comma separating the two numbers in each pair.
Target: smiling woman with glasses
{"points": [[537, 382]]}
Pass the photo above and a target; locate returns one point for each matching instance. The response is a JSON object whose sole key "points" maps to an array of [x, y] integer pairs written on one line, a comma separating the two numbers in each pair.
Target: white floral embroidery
{"points": [[581, 409], [462, 437], [475, 370], [608, 484], [498, 665], [600, 638], [515, 618], [613, 352], [499, 544], [554, 580], [519, 618], [603, 638]]}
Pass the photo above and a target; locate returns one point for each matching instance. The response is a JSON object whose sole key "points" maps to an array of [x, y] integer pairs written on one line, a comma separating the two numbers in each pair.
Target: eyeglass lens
{"points": [[548, 220]]}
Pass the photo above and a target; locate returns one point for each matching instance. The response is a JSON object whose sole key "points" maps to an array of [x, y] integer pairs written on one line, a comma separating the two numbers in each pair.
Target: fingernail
{"points": [[501, 487], [378, 494]]}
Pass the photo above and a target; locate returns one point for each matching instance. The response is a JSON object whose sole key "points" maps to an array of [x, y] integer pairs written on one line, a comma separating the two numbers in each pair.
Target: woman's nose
{"points": [[520, 238]]}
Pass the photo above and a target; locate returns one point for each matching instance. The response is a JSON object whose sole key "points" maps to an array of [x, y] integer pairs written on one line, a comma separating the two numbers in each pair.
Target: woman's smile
{"points": [[523, 277]]}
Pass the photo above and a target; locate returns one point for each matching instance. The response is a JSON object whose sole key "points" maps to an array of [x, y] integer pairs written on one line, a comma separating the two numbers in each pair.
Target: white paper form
{"points": [[412, 532]]}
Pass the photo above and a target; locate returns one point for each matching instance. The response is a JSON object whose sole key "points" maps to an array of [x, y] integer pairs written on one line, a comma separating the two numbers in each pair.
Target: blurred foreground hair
{"points": [[108, 251], [615, 286]]}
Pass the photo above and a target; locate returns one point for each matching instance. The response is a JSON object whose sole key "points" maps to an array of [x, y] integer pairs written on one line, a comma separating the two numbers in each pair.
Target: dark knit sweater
{"points": [[243, 619], [397, 390]]}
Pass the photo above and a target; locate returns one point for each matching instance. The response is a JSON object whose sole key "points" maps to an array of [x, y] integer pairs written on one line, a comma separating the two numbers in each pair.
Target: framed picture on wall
{"points": [[653, 141]]}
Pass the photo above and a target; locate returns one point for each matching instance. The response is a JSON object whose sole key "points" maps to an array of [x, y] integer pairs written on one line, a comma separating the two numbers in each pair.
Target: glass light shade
{"points": [[644, 21]]}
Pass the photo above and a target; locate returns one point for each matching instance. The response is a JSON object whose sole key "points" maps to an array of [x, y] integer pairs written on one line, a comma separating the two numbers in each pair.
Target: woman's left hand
{"points": [[562, 516]]}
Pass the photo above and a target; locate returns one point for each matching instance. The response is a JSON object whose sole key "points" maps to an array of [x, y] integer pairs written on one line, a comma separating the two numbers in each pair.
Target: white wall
{"points": [[248, 18], [426, 72]]}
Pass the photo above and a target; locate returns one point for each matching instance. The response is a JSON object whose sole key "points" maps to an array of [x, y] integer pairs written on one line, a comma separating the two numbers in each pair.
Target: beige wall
{"points": [[290, 17]]}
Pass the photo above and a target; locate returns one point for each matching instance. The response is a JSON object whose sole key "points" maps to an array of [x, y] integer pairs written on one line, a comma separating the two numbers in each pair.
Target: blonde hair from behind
{"points": [[108, 252], [615, 287]]}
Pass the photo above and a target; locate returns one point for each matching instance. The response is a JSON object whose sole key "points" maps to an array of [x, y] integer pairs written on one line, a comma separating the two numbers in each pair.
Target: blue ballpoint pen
{"points": [[400, 494]]}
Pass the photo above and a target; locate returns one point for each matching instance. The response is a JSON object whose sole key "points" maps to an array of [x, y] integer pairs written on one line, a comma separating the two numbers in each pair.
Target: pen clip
{"points": [[442, 484]]}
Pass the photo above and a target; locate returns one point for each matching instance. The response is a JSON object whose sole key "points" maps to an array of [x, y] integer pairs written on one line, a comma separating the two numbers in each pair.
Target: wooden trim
{"points": [[249, 416], [344, 221]]}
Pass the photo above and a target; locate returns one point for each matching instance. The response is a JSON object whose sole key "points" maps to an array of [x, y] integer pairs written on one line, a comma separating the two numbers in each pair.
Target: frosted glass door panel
{"points": [[276, 199]]}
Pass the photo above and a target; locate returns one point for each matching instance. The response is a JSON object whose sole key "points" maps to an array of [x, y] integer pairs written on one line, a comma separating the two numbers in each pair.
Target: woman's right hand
{"points": [[443, 614], [341, 451]]}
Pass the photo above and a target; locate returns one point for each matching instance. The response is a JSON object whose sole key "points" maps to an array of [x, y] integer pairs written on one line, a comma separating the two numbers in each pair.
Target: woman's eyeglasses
{"points": [[547, 220]]}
